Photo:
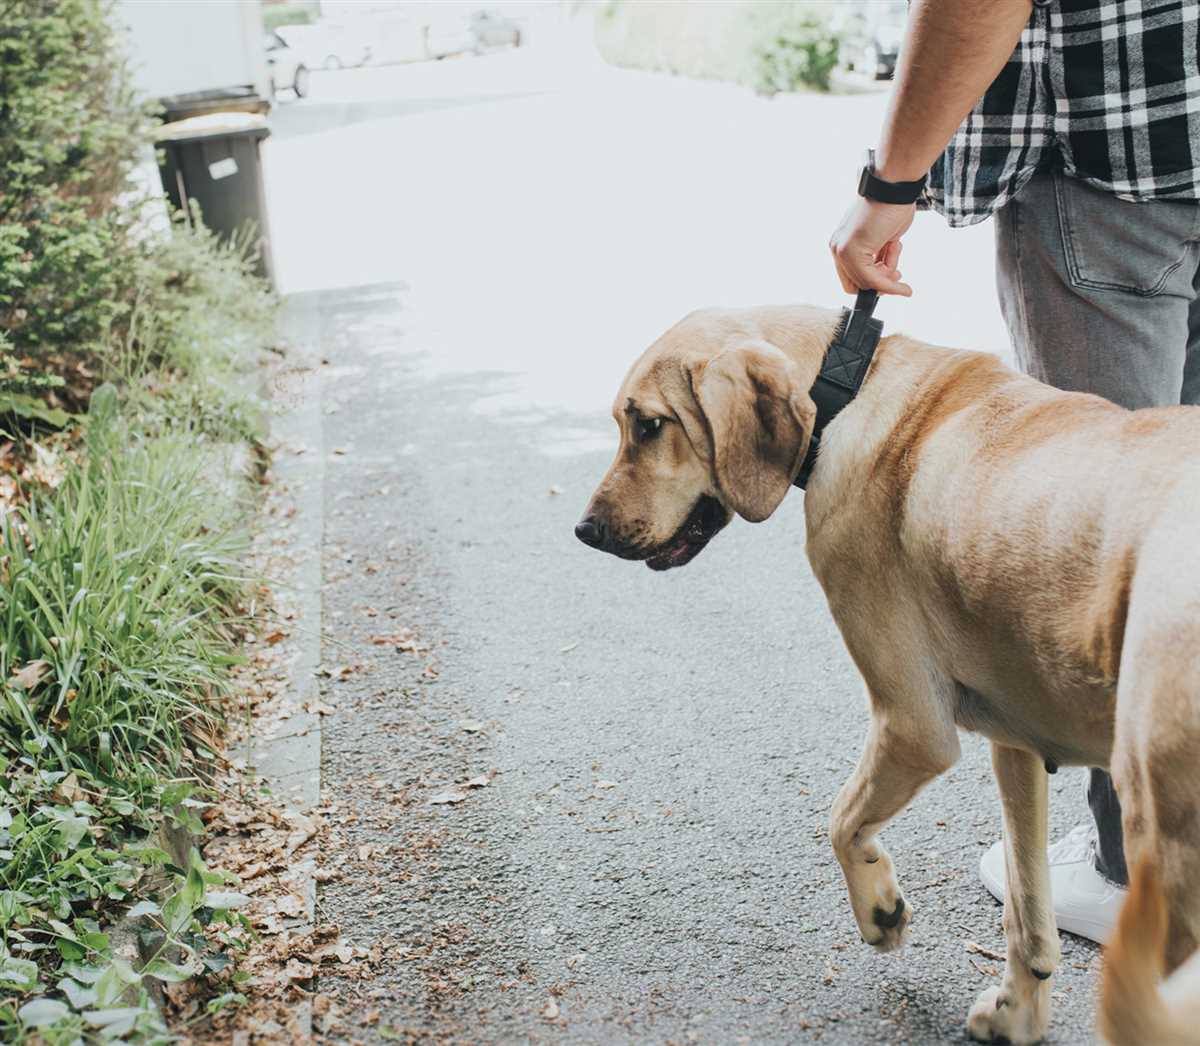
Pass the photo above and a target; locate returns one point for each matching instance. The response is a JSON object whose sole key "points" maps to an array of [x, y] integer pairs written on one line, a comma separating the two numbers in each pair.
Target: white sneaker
{"points": [[1085, 903]]}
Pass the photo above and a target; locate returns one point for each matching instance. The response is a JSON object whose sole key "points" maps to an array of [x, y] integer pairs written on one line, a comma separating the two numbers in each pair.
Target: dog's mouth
{"points": [[708, 517]]}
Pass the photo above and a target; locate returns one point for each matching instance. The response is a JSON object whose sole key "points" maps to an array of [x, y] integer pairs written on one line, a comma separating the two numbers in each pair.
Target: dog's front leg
{"points": [[1019, 1009], [891, 770]]}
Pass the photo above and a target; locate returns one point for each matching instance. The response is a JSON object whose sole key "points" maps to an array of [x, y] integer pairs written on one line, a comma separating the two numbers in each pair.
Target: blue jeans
{"points": [[1102, 295]]}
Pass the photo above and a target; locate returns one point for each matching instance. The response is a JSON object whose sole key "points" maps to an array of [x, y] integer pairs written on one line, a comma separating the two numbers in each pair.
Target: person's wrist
{"points": [[875, 187], [893, 168]]}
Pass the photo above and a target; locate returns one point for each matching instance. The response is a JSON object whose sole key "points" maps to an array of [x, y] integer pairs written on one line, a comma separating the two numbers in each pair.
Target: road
{"points": [[479, 249]]}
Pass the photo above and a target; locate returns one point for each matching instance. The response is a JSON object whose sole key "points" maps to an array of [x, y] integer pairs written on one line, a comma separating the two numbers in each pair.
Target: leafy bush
{"points": [[21, 391], [85, 292], [70, 130], [798, 50], [769, 45], [297, 12]]}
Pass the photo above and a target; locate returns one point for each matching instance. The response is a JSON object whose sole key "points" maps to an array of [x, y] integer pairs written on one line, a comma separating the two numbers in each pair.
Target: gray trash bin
{"points": [[213, 161]]}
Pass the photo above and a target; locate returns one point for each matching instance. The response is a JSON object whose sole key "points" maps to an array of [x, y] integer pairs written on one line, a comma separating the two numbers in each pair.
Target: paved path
{"points": [[648, 860]]}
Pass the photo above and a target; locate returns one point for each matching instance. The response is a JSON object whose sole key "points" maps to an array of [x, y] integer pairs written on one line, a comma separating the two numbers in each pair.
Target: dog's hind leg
{"points": [[1156, 750], [1018, 1010], [894, 766], [1156, 747], [1156, 768]]}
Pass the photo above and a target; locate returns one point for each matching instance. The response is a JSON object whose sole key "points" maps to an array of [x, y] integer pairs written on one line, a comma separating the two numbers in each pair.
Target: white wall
{"points": [[179, 46]]}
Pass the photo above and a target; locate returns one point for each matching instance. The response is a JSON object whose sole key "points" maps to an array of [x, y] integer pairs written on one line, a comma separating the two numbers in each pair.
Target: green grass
{"points": [[116, 584], [120, 589], [120, 596]]}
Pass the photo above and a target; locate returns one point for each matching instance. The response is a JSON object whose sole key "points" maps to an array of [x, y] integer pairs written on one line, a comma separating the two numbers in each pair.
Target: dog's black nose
{"points": [[590, 531]]}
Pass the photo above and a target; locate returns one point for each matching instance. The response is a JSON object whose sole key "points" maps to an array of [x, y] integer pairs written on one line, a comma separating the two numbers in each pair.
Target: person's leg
{"points": [[1101, 295], [1191, 368], [1110, 840], [1097, 292]]}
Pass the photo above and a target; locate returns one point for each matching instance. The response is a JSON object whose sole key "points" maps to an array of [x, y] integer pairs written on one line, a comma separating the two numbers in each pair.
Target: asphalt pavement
{"points": [[575, 800]]}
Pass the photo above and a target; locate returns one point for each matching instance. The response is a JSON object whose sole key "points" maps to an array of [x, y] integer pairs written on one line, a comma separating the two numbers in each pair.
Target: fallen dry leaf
{"points": [[450, 795], [298, 970], [68, 789], [32, 674], [403, 640], [288, 905], [459, 792], [987, 953]]}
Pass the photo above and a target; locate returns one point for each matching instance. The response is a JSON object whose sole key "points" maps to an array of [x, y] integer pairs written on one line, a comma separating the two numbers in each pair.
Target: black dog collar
{"points": [[842, 371]]}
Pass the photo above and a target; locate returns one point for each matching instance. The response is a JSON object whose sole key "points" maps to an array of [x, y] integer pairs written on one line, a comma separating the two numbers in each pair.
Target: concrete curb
{"points": [[289, 761]]}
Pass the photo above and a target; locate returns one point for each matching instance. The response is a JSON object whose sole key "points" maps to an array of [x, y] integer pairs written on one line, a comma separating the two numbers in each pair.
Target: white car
{"points": [[326, 45], [286, 67]]}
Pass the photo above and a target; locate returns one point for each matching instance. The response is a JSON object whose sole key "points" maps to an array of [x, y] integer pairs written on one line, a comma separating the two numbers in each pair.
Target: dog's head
{"points": [[715, 419]]}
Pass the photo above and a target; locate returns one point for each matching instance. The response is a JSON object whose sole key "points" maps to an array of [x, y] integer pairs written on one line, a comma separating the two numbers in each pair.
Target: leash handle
{"points": [[861, 327], [866, 301]]}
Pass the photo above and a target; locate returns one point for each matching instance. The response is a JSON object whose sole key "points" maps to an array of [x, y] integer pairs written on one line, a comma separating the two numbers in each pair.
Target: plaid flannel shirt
{"points": [[1108, 90]]}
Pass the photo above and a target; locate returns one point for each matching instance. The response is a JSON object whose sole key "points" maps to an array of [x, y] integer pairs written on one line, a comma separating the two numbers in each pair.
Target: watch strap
{"points": [[871, 186]]}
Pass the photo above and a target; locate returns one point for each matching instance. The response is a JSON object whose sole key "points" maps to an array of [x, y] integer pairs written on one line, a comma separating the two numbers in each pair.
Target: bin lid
{"points": [[212, 125]]}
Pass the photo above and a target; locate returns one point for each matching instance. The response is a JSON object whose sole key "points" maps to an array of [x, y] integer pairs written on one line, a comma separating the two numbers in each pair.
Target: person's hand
{"points": [[866, 246]]}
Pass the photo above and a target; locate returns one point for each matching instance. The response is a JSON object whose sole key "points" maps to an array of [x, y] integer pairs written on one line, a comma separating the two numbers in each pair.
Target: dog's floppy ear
{"points": [[759, 417]]}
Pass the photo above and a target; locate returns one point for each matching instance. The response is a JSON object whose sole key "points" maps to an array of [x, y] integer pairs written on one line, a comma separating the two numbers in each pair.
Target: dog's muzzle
{"points": [[706, 518]]}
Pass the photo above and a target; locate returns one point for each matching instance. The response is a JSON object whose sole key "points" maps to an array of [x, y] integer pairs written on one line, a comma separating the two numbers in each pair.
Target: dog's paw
{"points": [[880, 909], [889, 925], [999, 1015]]}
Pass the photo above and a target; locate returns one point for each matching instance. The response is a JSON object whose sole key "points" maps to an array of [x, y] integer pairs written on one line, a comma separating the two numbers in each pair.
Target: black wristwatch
{"points": [[873, 187]]}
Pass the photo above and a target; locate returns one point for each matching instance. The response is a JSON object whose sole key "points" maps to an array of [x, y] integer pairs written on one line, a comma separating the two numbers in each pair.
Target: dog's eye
{"points": [[648, 428]]}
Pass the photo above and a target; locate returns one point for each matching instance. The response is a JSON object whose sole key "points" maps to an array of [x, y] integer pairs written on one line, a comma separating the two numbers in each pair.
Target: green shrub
{"points": [[769, 45], [86, 292], [70, 130], [798, 50], [21, 391], [297, 12]]}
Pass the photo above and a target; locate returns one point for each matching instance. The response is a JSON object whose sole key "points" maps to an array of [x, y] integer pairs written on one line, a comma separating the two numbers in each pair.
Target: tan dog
{"points": [[1000, 557]]}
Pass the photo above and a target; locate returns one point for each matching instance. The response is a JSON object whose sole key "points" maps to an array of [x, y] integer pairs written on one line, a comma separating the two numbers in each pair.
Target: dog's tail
{"points": [[1136, 1008]]}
